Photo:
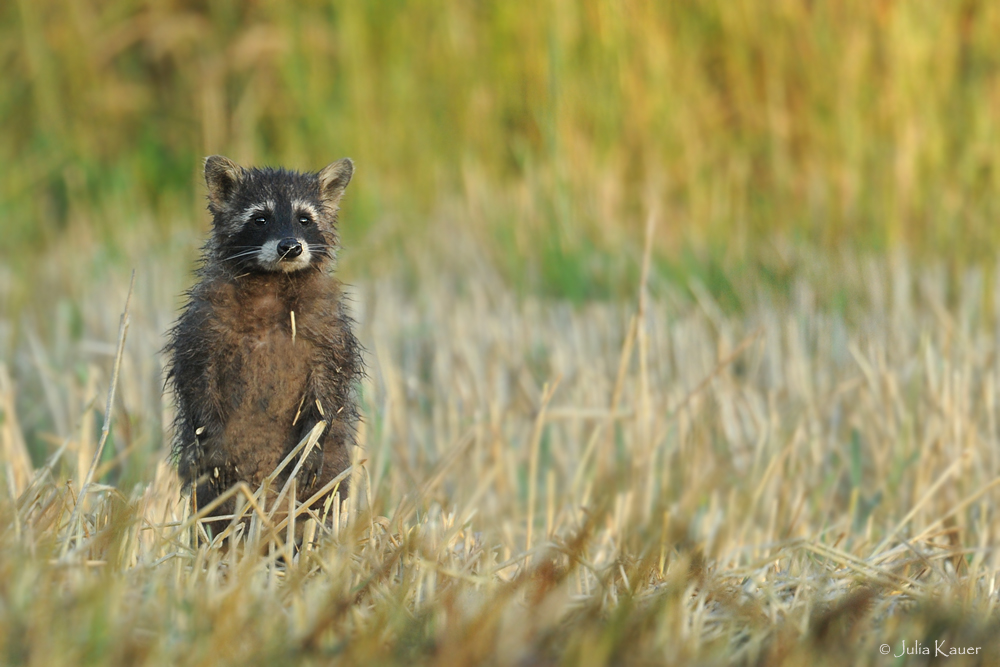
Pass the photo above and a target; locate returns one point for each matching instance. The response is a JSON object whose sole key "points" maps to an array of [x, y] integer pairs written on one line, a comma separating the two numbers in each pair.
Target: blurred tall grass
{"points": [[560, 123]]}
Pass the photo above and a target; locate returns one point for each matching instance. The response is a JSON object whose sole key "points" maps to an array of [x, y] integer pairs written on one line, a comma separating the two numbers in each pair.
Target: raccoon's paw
{"points": [[311, 469], [221, 475]]}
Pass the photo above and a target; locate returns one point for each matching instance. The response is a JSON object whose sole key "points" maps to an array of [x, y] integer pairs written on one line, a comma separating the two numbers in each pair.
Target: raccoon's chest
{"points": [[267, 365]]}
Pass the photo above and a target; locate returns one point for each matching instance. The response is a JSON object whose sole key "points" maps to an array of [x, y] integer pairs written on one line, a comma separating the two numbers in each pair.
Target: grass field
{"points": [[682, 325], [647, 481]]}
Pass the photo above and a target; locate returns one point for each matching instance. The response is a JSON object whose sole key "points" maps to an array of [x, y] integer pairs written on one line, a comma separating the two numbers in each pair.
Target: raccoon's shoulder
{"points": [[212, 291]]}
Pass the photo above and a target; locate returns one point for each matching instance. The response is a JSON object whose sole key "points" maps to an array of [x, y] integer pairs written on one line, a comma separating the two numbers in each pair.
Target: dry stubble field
{"points": [[759, 454], [658, 480]]}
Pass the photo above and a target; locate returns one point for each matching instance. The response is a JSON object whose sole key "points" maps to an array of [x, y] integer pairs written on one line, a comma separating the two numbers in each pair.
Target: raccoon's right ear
{"points": [[222, 176]]}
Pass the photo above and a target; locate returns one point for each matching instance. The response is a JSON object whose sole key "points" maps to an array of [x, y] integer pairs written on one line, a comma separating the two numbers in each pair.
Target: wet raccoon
{"points": [[263, 349]]}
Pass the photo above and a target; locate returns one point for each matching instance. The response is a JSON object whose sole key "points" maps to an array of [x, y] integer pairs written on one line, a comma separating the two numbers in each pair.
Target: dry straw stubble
{"points": [[605, 482]]}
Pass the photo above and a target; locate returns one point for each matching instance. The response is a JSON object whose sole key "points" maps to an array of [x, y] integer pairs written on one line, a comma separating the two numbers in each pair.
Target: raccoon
{"points": [[263, 349]]}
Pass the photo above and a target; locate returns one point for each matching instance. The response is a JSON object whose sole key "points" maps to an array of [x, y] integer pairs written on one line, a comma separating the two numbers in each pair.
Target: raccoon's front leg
{"points": [[312, 466], [211, 475]]}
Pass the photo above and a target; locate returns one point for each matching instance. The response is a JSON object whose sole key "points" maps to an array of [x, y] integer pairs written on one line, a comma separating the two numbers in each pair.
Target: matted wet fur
{"points": [[263, 349]]}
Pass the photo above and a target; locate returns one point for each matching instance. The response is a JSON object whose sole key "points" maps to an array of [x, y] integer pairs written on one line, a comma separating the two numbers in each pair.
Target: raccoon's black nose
{"points": [[289, 248]]}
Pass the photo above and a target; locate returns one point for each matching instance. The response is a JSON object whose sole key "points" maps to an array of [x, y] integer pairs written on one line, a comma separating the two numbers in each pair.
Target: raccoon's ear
{"points": [[221, 175], [333, 180]]}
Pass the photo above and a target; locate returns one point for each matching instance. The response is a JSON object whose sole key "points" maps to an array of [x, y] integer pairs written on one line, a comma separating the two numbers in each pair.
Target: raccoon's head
{"points": [[267, 220]]}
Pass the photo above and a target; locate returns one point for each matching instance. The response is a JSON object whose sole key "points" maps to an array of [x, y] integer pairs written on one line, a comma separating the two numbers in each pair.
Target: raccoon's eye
{"points": [[305, 219], [260, 219]]}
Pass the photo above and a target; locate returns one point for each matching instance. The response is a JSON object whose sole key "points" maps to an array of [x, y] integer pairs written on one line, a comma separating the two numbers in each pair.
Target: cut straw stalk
{"points": [[108, 414], [949, 471], [536, 438]]}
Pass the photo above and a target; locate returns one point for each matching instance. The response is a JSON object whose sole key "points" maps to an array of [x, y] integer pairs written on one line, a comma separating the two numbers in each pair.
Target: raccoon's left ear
{"points": [[333, 180]]}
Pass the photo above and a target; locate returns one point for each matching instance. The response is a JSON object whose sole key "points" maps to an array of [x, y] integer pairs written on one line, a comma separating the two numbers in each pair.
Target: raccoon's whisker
{"points": [[245, 253]]}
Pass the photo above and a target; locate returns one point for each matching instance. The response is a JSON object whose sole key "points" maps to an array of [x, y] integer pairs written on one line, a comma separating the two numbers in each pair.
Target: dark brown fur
{"points": [[247, 391]]}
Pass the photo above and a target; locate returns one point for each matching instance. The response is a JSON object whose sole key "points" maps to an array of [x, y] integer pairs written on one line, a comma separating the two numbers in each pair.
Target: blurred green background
{"points": [[556, 126]]}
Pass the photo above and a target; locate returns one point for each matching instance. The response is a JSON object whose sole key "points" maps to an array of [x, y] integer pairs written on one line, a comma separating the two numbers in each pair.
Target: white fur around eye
{"points": [[305, 208], [248, 214]]}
